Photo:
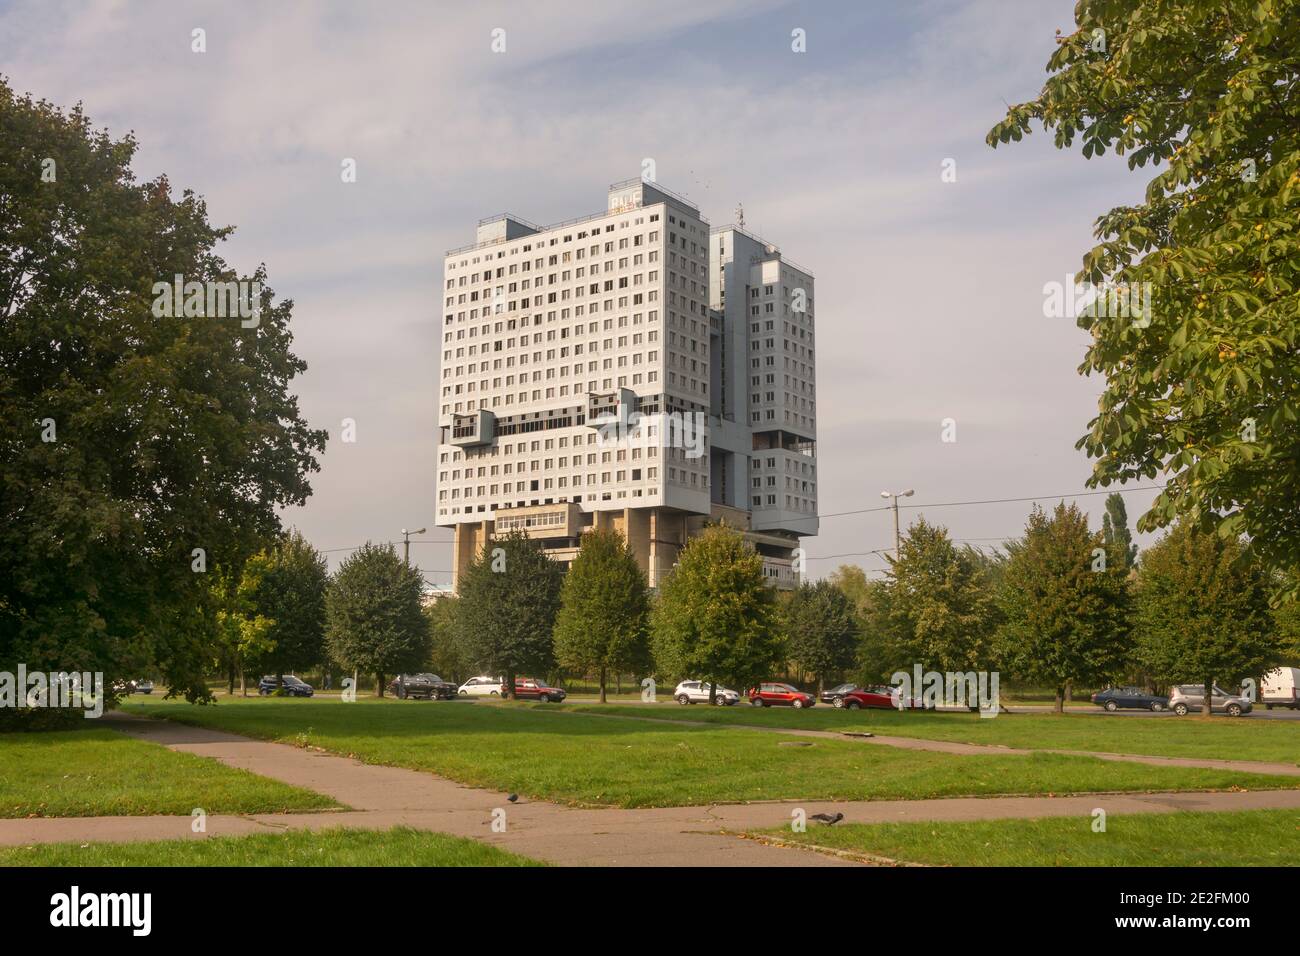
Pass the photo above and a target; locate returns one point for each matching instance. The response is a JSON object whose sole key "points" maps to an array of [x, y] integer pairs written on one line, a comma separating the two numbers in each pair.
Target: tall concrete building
{"points": [[632, 370]]}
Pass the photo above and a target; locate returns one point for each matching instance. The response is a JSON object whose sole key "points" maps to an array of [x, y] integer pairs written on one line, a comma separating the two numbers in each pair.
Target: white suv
{"points": [[483, 686], [697, 692]]}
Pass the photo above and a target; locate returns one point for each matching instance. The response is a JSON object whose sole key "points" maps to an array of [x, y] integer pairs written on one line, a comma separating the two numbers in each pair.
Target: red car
{"points": [[528, 688], [884, 698], [772, 695]]}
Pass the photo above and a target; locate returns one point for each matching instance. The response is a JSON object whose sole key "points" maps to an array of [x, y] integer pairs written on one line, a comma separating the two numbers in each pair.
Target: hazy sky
{"points": [[930, 294]]}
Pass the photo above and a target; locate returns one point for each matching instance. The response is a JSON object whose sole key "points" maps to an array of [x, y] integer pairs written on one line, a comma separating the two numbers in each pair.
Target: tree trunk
{"points": [[713, 693], [1069, 690], [230, 688], [602, 685], [1207, 705], [379, 685], [508, 690], [243, 685], [1060, 700], [821, 686], [618, 683]]}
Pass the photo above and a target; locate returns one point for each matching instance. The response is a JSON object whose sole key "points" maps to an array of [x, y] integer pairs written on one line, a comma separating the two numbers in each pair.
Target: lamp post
{"points": [[406, 544], [898, 538]]}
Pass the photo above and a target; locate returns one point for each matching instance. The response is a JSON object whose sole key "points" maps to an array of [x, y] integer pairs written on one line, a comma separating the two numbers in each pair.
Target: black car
{"points": [[832, 694], [1132, 698], [424, 686], [292, 686]]}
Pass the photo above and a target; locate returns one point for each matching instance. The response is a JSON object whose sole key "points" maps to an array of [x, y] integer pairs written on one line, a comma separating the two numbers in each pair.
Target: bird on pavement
{"points": [[827, 819], [513, 797]]}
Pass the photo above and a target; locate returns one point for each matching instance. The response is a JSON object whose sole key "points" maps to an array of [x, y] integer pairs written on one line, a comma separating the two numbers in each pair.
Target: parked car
{"points": [[1190, 697], [124, 687], [1281, 688], [829, 696], [697, 692], [483, 686], [424, 686], [884, 698], [1133, 698], [528, 688], [144, 686], [772, 694], [291, 685]]}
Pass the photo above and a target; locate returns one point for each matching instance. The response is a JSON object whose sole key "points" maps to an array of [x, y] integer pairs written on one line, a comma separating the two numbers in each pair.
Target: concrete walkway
{"points": [[382, 797]]}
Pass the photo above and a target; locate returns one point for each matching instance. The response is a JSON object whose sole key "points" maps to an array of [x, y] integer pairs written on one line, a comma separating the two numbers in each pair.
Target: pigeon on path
{"points": [[827, 819]]}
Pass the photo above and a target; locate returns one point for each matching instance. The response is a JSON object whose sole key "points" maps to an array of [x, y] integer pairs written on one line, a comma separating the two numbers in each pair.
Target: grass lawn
{"points": [[340, 846], [585, 760], [86, 773], [1219, 737], [1244, 838]]}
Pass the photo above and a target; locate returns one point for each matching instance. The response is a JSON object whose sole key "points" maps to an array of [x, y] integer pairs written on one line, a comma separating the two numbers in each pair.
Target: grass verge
{"points": [[594, 761], [90, 773], [340, 846], [1242, 838]]}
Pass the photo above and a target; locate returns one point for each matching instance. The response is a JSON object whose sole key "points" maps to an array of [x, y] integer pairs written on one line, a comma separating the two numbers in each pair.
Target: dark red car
{"points": [[775, 695], [528, 688]]}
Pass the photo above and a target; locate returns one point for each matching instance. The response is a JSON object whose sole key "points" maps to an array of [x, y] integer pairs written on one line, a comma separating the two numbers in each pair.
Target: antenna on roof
{"points": [[740, 215]]}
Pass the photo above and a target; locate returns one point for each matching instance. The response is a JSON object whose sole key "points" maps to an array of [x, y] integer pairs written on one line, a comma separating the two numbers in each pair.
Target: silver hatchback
{"points": [[1190, 697]]}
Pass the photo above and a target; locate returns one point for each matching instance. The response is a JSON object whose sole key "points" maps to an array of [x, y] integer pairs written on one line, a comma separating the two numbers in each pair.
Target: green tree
{"points": [[821, 630], [1202, 611], [446, 657], [509, 598], [715, 619], [604, 606], [243, 632], [1204, 389], [140, 451], [291, 593], [935, 608], [1115, 532], [1065, 604], [373, 620]]}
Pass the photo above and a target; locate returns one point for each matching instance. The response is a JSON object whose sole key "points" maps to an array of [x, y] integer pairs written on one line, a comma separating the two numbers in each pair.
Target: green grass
{"points": [[586, 760], [85, 773], [400, 846], [1219, 737], [1243, 838]]}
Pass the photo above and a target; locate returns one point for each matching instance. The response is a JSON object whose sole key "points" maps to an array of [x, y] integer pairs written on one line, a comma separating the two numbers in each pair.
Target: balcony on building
{"points": [[474, 428], [606, 408]]}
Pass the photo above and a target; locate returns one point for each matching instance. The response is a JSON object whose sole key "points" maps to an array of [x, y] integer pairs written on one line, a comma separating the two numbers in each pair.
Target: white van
{"points": [[1281, 688]]}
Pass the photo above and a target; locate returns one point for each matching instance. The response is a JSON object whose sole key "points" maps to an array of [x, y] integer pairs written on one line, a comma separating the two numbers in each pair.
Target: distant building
{"points": [[628, 369]]}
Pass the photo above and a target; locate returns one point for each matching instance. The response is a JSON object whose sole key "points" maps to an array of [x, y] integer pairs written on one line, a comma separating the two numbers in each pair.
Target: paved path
{"points": [[382, 797], [953, 747]]}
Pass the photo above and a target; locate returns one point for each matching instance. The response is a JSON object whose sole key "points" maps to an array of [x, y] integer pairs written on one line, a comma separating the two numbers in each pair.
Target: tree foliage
{"points": [[604, 607], [130, 440], [1207, 395], [1115, 532], [1202, 611], [821, 630], [1065, 604], [374, 623], [936, 607], [508, 600], [291, 593], [715, 619]]}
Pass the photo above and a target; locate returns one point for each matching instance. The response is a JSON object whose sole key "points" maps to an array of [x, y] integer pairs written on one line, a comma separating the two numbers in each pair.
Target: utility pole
{"points": [[406, 544], [898, 537]]}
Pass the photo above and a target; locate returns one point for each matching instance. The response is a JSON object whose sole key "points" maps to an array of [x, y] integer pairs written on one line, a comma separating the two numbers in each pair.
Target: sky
{"points": [[929, 292]]}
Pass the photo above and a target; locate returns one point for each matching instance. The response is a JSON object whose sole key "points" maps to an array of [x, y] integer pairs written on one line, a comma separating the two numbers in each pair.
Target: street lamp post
{"points": [[406, 544], [898, 538]]}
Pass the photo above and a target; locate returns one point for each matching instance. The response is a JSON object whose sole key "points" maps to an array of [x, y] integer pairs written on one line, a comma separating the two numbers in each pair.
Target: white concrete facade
{"points": [[583, 374]]}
